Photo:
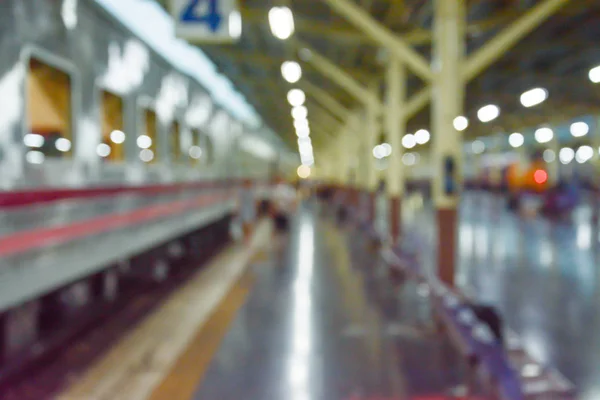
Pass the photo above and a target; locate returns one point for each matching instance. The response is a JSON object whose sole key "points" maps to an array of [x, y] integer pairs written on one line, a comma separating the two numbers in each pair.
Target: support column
{"points": [[372, 132], [448, 97], [395, 129], [554, 166]]}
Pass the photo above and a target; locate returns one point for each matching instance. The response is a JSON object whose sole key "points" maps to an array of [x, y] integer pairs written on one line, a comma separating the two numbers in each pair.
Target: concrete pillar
{"points": [[372, 132], [554, 166], [395, 121], [448, 98]]}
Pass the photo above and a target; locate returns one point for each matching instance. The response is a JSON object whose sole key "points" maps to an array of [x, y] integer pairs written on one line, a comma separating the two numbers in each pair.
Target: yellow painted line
{"points": [[188, 371]]}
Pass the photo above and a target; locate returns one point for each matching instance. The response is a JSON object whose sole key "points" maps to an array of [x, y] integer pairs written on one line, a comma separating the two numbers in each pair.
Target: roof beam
{"points": [[325, 99], [371, 27], [339, 76], [503, 41]]}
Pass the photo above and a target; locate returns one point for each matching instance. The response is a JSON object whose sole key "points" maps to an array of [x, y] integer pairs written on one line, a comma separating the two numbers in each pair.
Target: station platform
{"points": [[315, 314]]}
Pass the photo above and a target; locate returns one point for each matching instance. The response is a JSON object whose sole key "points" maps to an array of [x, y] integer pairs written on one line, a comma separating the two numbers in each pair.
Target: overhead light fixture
{"points": [[516, 140], [63, 144], [34, 140], [409, 141], [533, 97], [422, 136], [579, 129], [477, 147], [378, 152], [103, 150], [291, 71], [409, 159], [281, 21], [301, 124], [488, 113], [460, 123], [584, 153], [566, 155], [296, 97], [195, 152], [303, 131], [303, 171], [117, 136], [299, 113], [387, 149], [548, 155], [594, 74], [543, 135], [235, 24], [144, 141]]}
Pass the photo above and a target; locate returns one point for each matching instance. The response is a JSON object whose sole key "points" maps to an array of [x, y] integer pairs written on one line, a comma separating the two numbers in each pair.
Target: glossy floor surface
{"points": [[323, 321], [542, 275]]}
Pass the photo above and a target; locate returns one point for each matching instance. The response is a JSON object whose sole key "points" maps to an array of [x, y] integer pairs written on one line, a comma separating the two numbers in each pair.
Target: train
{"points": [[86, 101], [118, 175]]}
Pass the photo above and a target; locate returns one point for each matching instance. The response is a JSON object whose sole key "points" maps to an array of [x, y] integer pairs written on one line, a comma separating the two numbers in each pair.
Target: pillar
{"points": [[395, 130], [554, 166], [448, 96], [372, 141]]}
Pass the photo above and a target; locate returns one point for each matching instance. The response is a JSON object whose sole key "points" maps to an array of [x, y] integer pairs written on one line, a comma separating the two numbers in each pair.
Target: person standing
{"points": [[247, 209]]}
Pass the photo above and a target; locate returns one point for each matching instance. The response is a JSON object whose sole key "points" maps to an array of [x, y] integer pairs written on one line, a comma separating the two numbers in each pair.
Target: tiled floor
{"points": [[542, 275], [324, 322]]}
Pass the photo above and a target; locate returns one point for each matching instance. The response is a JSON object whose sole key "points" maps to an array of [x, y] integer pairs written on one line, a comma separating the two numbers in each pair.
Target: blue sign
{"points": [[210, 15], [206, 20]]}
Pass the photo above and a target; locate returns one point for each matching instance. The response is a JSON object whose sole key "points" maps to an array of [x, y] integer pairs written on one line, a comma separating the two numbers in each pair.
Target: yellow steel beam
{"points": [[373, 28]]}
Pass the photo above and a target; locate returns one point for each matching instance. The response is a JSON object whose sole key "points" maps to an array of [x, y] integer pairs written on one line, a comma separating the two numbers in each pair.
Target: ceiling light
{"points": [[35, 157], [584, 153], [144, 141], [303, 132], [303, 171], [291, 71], [516, 140], [146, 155], [543, 135], [387, 149], [594, 74], [281, 21], [422, 136], [566, 155], [300, 124], [299, 112], [478, 147], [117, 137], [409, 159], [296, 97], [33, 140], [235, 24], [460, 123], [103, 150], [488, 113], [579, 129], [533, 97], [195, 152], [378, 152], [63, 144], [409, 141], [549, 155]]}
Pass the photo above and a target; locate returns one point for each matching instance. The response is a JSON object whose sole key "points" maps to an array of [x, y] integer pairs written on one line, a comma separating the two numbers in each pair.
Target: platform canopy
{"points": [[556, 56]]}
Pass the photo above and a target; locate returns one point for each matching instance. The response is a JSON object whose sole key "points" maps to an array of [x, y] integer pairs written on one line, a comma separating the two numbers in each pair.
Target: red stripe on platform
{"points": [[39, 238]]}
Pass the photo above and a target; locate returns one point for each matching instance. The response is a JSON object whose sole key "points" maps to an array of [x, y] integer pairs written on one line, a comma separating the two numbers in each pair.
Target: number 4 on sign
{"points": [[202, 11]]}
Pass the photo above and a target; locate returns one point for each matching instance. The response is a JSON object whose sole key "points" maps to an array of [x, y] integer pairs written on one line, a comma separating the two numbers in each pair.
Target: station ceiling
{"points": [[557, 56]]}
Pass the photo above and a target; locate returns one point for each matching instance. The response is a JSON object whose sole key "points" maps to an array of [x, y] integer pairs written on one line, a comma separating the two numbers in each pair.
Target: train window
{"points": [[147, 140], [175, 139], [49, 113], [113, 137]]}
